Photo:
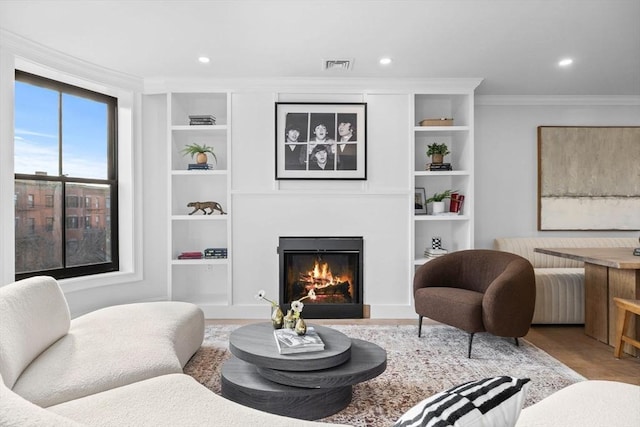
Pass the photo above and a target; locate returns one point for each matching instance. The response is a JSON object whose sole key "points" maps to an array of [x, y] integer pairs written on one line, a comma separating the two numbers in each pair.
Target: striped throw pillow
{"points": [[491, 402]]}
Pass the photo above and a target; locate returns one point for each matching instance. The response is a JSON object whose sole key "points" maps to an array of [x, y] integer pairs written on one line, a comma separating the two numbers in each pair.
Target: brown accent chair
{"points": [[477, 290]]}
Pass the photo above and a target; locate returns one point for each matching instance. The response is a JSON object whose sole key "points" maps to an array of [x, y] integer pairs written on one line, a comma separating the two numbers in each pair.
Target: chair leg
{"points": [[419, 325], [623, 320], [470, 341], [517, 342]]}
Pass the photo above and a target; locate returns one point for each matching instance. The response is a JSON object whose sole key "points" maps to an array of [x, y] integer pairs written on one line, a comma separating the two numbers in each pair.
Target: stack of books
{"points": [[200, 166], [202, 120], [190, 255], [434, 253], [439, 167], [289, 342], [215, 253]]}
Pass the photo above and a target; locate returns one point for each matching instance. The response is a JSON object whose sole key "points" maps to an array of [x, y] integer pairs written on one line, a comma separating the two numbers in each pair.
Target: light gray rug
{"points": [[416, 367]]}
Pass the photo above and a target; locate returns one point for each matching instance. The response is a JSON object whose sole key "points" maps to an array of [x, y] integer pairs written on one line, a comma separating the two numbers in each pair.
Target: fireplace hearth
{"points": [[331, 266]]}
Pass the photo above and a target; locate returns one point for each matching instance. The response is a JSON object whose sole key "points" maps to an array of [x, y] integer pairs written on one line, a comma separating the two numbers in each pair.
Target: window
{"points": [[72, 201], [65, 153]]}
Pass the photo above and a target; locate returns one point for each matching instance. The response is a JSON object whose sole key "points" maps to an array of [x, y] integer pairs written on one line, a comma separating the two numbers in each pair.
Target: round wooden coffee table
{"points": [[304, 385]]}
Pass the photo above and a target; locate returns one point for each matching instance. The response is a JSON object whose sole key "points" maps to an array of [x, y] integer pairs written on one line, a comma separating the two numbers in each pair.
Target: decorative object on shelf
{"points": [[199, 120], [199, 152], [199, 166], [430, 253], [437, 152], [277, 317], [436, 243], [437, 201], [215, 253], [321, 141], [438, 167], [202, 206], [420, 201], [190, 255], [443, 121], [455, 206]]}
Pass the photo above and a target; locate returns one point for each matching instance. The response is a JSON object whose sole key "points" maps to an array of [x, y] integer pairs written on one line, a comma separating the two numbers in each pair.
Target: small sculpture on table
{"points": [[202, 206]]}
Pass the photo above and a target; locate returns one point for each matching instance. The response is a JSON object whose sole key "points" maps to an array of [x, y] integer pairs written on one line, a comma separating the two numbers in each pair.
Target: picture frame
{"points": [[584, 178], [321, 141], [420, 201]]}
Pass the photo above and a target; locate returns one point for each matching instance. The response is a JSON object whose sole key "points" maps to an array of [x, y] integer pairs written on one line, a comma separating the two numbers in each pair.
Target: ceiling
{"points": [[514, 45]]}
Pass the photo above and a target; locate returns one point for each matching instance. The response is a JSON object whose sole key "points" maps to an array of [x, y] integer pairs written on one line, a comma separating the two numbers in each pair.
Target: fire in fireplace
{"points": [[331, 266]]}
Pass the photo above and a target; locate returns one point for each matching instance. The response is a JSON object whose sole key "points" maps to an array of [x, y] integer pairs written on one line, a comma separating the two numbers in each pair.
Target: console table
{"points": [[304, 385], [608, 273]]}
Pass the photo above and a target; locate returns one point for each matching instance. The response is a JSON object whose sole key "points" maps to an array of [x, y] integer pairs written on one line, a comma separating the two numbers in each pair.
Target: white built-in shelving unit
{"points": [[206, 282], [456, 231]]}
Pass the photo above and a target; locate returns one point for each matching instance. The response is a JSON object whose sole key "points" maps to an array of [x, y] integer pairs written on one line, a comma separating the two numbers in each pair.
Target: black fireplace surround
{"points": [[331, 266]]}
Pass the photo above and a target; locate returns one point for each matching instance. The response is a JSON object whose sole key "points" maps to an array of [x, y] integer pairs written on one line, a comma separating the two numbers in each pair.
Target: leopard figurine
{"points": [[202, 206]]}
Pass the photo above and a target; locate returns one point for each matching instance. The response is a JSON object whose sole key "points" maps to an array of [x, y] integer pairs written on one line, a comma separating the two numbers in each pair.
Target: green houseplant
{"points": [[199, 152], [438, 200], [437, 152]]}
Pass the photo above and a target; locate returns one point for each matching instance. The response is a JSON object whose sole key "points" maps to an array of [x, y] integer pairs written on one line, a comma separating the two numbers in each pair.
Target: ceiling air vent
{"points": [[337, 64]]}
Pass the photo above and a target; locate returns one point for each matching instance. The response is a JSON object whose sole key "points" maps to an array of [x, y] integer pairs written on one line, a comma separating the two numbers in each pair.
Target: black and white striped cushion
{"points": [[491, 402]]}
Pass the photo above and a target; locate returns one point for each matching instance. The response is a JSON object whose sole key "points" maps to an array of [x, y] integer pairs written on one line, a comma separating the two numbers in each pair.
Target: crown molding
{"points": [[29, 53], [315, 85], [498, 100]]}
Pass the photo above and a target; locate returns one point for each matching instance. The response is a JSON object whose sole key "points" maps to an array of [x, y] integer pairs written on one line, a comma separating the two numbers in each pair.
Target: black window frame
{"points": [[112, 180]]}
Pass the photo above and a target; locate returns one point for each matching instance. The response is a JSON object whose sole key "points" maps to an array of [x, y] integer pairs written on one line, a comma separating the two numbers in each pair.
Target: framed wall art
{"points": [[420, 201], [321, 140], [588, 178]]}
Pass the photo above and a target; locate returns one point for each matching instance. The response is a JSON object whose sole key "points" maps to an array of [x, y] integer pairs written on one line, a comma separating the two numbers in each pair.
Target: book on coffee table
{"points": [[289, 342]]}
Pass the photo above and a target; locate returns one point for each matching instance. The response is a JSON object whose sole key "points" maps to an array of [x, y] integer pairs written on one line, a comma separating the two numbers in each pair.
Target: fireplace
{"points": [[331, 266]]}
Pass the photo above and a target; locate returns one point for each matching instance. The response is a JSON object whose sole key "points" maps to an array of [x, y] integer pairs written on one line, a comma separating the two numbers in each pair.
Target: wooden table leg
{"points": [[596, 310], [623, 284]]}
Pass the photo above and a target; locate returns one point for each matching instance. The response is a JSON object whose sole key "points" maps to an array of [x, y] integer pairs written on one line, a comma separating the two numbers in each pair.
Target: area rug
{"points": [[416, 367]]}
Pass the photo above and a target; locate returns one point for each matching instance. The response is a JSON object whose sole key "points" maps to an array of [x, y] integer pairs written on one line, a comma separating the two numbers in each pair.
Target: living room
{"points": [[501, 189]]}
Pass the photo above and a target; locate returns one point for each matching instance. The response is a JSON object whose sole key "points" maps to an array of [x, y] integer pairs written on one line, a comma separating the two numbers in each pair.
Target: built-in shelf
{"points": [[205, 281], [455, 231]]}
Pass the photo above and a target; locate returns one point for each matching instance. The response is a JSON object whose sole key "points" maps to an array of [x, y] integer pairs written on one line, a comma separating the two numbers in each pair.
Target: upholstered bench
{"points": [[559, 281]]}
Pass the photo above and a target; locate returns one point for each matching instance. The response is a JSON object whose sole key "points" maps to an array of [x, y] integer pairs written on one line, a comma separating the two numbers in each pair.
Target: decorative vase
{"points": [[277, 317], [437, 158], [438, 207], [201, 158], [289, 320], [301, 326]]}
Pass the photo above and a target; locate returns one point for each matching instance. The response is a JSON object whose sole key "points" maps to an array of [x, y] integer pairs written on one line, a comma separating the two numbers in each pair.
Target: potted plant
{"points": [[199, 152], [438, 200], [437, 152]]}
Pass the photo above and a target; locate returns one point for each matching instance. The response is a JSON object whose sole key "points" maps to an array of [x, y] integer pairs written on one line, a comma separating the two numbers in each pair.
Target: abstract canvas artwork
{"points": [[588, 178]]}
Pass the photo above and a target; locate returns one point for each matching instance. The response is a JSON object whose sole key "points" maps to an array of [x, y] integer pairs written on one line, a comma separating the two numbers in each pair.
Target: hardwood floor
{"points": [[585, 355]]}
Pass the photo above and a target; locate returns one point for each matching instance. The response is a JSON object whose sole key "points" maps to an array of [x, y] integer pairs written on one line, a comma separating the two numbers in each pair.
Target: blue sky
{"points": [[84, 136]]}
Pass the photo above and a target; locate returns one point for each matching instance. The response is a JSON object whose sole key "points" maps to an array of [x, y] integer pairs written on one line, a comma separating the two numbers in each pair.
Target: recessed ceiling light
{"points": [[204, 59], [385, 61], [565, 62]]}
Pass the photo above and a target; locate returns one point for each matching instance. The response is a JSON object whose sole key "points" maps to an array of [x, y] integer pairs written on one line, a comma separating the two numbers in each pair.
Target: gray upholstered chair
{"points": [[477, 290]]}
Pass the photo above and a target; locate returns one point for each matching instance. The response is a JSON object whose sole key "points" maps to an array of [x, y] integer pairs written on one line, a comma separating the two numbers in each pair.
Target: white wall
{"points": [[506, 158]]}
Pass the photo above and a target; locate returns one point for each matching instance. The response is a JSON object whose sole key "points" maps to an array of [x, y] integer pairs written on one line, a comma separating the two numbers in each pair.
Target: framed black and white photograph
{"points": [[321, 140], [420, 201]]}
